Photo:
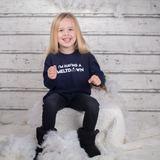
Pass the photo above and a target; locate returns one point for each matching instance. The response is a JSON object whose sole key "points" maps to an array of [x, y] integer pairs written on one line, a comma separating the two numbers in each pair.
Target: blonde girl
{"points": [[80, 42], [69, 70]]}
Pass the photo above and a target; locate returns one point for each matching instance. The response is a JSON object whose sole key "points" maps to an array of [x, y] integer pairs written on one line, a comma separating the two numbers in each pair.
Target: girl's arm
{"points": [[49, 74], [96, 75], [52, 72]]}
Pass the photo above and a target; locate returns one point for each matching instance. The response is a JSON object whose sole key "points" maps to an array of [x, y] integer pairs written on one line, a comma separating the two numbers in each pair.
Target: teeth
{"points": [[66, 39]]}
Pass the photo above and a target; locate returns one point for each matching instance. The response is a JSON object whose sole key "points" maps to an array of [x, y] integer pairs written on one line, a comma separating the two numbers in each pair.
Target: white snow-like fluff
{"points": [[91, 5], [60, 145], [122, 135]]}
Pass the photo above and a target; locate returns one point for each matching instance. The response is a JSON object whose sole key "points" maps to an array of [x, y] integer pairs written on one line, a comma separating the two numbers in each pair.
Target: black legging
{"points": [[82, 102]]}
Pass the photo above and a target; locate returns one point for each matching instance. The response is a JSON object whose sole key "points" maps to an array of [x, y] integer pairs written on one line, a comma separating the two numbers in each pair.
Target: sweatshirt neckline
{"points": [[67, 54]]}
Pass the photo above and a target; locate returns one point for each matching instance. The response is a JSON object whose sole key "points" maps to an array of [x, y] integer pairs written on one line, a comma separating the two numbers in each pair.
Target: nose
{"points": [[66, 32]]}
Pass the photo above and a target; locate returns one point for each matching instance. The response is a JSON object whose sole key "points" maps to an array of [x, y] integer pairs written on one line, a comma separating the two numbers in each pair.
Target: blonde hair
{"points": [[80, 43]]}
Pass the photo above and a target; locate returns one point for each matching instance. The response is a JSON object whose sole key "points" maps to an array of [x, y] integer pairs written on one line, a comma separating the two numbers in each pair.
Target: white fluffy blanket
{"points": [[18, 140]]}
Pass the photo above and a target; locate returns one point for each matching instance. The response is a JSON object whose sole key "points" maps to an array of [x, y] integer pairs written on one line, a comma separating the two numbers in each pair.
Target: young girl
{"points": [[69, 71]]}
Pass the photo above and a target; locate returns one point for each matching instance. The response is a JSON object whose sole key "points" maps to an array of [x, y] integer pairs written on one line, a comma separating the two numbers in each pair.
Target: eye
{"points": [[60, 30], [71, 29]]}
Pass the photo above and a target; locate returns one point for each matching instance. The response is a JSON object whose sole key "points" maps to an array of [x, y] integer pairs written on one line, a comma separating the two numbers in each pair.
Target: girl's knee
{"points": [[51, 104], [93, 105], [94, 102]]}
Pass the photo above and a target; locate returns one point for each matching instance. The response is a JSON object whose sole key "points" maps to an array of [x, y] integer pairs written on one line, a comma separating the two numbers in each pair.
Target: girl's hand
{"points": [[52, 72], [95, 80]]}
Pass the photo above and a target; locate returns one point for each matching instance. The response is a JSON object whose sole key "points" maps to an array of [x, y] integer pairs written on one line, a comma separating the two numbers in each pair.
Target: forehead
{"points": [[66, 22]]}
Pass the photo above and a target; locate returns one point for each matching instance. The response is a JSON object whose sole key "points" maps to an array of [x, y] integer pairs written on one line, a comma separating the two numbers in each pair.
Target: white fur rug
{"points": [[115, 141]]}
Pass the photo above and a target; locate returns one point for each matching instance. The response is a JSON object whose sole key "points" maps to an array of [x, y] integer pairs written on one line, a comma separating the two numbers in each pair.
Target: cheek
{"points": [[59, 37], [75, 37]]}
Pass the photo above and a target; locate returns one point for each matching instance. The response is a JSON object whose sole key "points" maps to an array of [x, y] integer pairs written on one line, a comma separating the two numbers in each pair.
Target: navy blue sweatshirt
{"points": [[73, 72]]}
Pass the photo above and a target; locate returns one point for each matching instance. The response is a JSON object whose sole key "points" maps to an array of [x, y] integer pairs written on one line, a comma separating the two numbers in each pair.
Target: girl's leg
{"points": [[84, 102], [87, 134], [51, 106]]}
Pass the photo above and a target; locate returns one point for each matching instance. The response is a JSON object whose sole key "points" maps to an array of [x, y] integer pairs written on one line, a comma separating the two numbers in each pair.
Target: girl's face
{"points": [[66, 35]]}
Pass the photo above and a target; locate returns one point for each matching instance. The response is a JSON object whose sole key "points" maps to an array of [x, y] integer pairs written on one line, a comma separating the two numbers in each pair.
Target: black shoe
{"points": [[87, 141], [38, 150], [40, 132]]}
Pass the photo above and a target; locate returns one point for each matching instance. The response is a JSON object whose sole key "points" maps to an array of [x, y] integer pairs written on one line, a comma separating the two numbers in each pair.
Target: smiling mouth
{"points": [[67, 40]]}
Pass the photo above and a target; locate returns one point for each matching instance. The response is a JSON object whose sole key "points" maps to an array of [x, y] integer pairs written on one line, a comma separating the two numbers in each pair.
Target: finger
{"points": [[55, 68], [52, 68], [95, 80], [89, 81]]}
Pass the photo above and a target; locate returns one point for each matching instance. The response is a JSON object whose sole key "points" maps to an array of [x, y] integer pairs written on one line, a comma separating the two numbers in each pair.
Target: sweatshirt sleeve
{"points": [[49, 83], [94, 68]]}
